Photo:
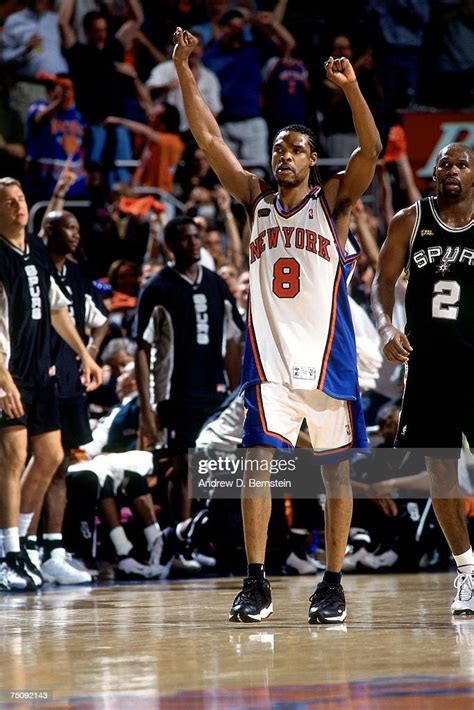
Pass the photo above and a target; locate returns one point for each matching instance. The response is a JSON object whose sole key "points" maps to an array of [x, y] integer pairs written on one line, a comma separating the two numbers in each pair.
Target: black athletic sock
{"points": [[332, 577], [50, 545], [255, 570]]}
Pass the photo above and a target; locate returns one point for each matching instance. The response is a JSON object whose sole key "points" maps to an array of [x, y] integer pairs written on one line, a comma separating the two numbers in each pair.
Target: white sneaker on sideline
{"points": [[180, 563], [386, 559], [156, 550], [204, 560], [59, 570], [128, 568], [301, 566], [79, 564], [463, 602], [10, 580]]}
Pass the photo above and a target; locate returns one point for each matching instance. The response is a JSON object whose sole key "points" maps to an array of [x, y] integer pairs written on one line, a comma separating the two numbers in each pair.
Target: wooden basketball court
{"points": [[169, 645]]}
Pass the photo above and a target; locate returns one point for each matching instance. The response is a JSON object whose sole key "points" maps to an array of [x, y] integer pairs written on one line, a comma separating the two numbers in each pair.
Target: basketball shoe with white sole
{"points": [[464, 600], [59, 570], [254, 602], [327, 604]]}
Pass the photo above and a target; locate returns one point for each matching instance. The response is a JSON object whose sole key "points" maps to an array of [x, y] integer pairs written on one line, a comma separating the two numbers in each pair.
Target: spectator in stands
{"points": [[286, 92], [31, 43], [163, 147], [118, 429], [12, 149], [215, 208], [238, 64], [116, 355], [338, 123], [55, 138], [101, 87], [163, 81], [72, 13], [210, 30], [455, 77], [398, 33], [193, 171], [229, 273]]}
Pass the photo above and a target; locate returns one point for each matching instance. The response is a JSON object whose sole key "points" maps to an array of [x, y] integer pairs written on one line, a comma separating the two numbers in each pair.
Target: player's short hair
{"points": [[230, 15], [174, 226], [463, 146], [9, 182], [314, 177], [91, 17]]}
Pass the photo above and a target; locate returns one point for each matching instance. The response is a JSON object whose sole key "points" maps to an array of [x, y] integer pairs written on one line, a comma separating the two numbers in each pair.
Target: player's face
{"points": [[13, 208], [292, 158], [453, 173], [187, 245], [68, 234]]}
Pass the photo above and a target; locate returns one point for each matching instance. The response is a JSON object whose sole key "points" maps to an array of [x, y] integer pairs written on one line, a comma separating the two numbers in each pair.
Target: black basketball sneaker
{"points": [[328, 604], [254, 602]]}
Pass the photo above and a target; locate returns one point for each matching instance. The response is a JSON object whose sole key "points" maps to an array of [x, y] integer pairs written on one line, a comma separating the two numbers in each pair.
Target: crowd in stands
{"points": [[92, 121]]}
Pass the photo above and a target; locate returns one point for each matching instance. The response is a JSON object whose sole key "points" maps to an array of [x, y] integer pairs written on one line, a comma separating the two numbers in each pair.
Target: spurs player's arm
{"points": [[392, 260], [343, 191], [239, 182]]}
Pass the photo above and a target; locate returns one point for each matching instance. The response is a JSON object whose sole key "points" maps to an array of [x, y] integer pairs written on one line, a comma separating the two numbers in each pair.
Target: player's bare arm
{"points": [[392, 260], [343, 192], [239, 182]]}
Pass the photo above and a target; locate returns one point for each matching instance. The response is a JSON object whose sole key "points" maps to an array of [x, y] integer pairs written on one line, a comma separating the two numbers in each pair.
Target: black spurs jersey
{"points": [[27, 293], [187, 325], [84, 313], [440, 292]]}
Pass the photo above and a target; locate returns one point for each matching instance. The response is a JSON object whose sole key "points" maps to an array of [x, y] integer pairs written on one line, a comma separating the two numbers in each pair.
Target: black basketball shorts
{"points": [[41, 409], [75, 427], [438, 404]]}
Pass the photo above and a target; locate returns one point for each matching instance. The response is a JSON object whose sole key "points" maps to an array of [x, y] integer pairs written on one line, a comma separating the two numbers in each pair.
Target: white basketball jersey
{"points": [[299, 328]]}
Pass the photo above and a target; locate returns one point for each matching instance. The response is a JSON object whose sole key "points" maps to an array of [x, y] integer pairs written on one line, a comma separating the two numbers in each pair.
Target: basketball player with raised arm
{"points": [[300, 357], [433, 240]]}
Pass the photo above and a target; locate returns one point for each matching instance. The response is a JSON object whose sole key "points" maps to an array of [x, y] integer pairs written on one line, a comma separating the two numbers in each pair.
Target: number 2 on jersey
{"points": [[446, 295], [286, 278]]}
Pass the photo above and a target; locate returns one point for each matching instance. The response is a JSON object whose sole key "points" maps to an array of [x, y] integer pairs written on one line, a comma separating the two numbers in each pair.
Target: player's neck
{"points": [[292, 195], [16, 237], [58, 260], [454, 214], [189, 270]]}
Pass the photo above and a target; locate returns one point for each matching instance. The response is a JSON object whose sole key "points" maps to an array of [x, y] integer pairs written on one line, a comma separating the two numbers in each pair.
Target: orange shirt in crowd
{"points": [[159, 161]]}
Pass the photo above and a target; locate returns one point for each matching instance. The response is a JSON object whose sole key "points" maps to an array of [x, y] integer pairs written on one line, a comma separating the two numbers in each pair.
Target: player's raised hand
{"points": [[340, 71], [395, 344], [184, 43]]}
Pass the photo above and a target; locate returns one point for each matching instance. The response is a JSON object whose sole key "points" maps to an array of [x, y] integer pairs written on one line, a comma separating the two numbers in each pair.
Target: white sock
{"points": [[11, 540], [2, 550], [152, 532], [120, 541], [179, 534], [25, 521], [465, 562]]}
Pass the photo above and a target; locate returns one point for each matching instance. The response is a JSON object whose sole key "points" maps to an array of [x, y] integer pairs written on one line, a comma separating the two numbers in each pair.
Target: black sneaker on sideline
{"points": [[328, 604], [31, 568], [254, 602], [15, 562]]}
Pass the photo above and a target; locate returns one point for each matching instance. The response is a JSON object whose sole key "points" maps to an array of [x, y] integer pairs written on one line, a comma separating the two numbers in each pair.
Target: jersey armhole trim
{"points": [[345, 259], [413, 235]]}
